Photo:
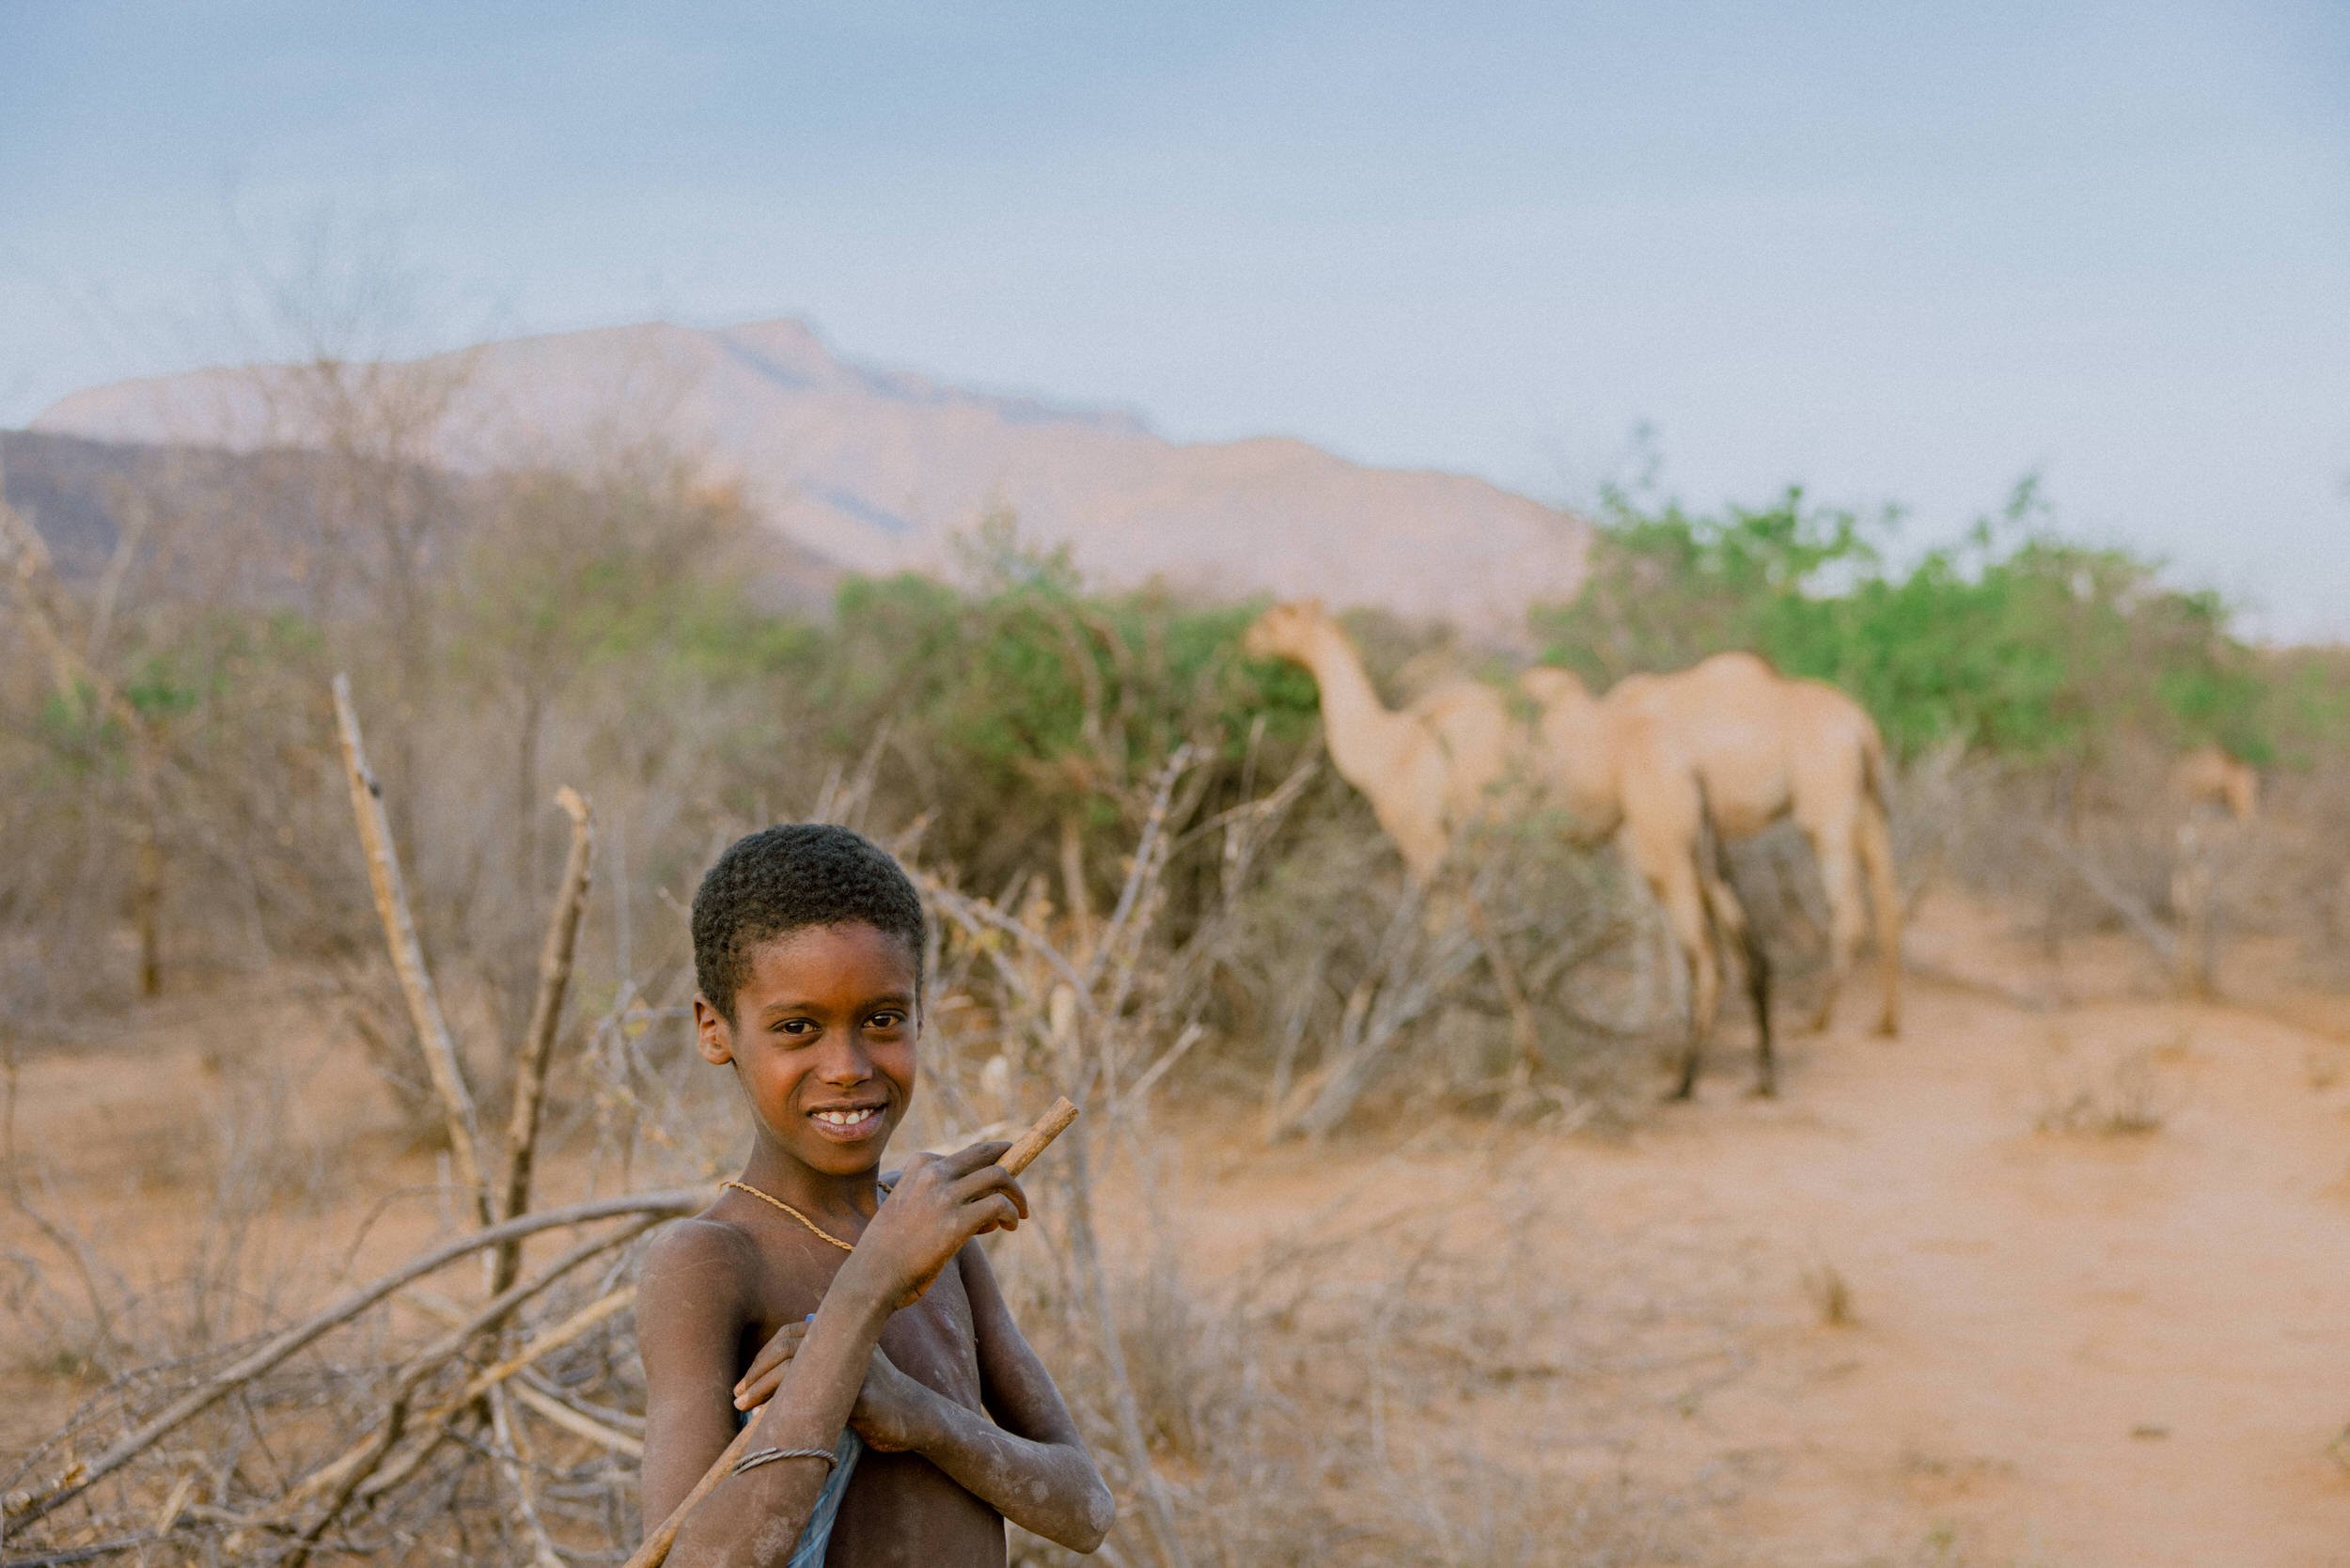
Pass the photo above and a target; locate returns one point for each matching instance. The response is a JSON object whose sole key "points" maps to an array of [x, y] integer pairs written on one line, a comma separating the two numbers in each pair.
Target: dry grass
{"points": [[1830, 1294], [2124, 1097]]}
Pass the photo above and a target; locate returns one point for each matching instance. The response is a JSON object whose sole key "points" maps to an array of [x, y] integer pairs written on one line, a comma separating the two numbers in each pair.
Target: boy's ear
{"points": [[712, 1035]]}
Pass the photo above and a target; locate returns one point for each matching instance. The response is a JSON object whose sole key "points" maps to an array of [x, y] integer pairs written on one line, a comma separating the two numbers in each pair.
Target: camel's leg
{"points": [[1873, 837], [1729, 918], [1678, 889], [1836, 844]]}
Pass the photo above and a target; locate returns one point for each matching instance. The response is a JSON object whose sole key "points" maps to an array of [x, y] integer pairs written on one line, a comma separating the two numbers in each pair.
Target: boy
{"points": [[881, 1315]]}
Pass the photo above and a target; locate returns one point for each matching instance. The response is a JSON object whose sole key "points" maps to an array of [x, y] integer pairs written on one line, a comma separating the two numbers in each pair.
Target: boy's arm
{"points": [[754, 1519], [692, 1303], [1029, 1463]]}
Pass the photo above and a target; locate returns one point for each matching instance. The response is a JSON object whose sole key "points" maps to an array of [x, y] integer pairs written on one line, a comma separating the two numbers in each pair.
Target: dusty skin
{"points": [[2070, 1346]]}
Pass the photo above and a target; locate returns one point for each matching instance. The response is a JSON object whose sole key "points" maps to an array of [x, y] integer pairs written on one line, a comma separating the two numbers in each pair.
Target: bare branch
{"points": [[400, 931], [546, 1013], [658, 1205]]}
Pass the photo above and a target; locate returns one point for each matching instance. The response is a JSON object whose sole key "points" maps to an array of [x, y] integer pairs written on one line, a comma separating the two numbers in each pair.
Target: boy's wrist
{"points": [[860, 1288]]}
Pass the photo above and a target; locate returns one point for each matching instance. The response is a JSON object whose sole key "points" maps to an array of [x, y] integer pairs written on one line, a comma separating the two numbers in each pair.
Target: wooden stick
{"points": [[546, 1013], [1031, 1143], [393, 1424], [655, 1550], [661, 1205], [399, 930], [555, 1412], [554, 1339]]}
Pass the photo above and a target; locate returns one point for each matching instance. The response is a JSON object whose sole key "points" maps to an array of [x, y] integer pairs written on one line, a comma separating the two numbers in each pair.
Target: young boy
{"points": [[807, 1282]]}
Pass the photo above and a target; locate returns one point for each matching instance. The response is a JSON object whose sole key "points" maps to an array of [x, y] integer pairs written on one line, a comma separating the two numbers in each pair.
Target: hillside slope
{"points": [[880, 470]]}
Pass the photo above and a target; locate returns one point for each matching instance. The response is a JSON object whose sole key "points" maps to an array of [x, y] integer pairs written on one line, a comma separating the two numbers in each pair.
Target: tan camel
{"points": [[2216, 796], [1429, 770], [2207, 778], [1721, 751]]}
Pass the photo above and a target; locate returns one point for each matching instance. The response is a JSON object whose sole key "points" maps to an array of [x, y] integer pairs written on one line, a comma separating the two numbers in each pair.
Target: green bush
{"points": [[1025, 700], [2014, 642]]}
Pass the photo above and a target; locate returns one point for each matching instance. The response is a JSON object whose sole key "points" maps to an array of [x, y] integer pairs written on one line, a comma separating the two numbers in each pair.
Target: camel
{"points": [[1429, 770], [2215, 796], [1675, 764], [2209, 780]]}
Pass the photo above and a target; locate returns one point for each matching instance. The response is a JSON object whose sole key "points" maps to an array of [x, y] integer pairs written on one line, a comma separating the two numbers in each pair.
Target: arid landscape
{"points": [[1371, 945], [1647, 708], [2040, 1287]]}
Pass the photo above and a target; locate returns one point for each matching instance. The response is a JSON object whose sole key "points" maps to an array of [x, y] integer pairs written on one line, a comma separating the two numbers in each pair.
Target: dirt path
{"points": [[2097, 1260]]}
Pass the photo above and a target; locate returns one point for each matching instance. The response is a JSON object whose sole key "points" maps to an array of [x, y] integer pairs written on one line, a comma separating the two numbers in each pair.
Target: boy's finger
{"points": [[776, 1352], [991, 1178], [965, 1161], [759, 1391]]}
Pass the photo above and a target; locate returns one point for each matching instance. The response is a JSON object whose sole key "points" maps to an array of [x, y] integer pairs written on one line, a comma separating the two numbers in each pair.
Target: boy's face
{"points": [[822, 1040]]}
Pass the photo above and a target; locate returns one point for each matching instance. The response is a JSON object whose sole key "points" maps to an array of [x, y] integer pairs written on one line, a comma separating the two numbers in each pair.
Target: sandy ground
{"points": [[2071, 1343], [2095, 1259]]}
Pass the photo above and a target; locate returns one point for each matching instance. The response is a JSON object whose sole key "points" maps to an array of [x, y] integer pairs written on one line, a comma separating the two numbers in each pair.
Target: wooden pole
{"points": [[399, 930], [657, 1544], [546, 1014]]}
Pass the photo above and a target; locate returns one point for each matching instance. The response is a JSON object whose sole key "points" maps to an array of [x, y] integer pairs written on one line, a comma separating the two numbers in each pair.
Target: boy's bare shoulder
{"points": [[707, 1258]]}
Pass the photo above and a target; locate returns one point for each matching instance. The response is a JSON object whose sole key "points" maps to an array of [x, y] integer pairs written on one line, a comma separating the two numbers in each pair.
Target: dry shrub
{"points": [[1830, 1294], [1334, 985], [2122, 1097]]}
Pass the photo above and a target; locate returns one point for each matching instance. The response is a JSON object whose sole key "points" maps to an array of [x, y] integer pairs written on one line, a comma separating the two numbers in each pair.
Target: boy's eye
{"points": [[886, 1019], [798, 1026]]}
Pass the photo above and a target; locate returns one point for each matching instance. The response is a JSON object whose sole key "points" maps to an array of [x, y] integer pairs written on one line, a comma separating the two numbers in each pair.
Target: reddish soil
{"points": [[2094, 1258]]}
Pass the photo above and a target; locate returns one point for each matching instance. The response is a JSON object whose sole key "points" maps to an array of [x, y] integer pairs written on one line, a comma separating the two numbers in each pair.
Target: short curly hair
{"points": [[788, 877]]}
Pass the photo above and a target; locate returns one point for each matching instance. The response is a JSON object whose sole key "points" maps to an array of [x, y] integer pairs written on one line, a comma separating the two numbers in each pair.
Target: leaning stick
{"points": [[656, 1547], [399, 930], [546, 1013]]}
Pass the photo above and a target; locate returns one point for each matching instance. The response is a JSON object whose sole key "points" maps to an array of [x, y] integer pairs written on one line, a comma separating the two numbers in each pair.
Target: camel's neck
{"points": [[1364, 734], [1578, 745]]}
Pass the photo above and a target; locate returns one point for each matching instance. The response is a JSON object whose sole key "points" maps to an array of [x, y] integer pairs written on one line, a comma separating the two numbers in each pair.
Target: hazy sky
{"points": [[1894, 252]]}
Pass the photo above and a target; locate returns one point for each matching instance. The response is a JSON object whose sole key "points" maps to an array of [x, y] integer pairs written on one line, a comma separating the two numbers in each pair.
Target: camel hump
{"points": [[1548, 683], [1465, 715], [1738, 663]]}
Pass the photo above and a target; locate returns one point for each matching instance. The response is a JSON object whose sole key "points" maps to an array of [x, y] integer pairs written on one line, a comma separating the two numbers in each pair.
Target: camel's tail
{"points": [[1874, 830]]}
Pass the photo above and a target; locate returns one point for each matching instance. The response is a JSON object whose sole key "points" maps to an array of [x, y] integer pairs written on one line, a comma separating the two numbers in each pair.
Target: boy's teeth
{"points": [[843, 1118]]}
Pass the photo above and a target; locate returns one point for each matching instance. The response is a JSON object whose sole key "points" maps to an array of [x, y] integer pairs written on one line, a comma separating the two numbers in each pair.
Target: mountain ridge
{"points": [[879, 469]]}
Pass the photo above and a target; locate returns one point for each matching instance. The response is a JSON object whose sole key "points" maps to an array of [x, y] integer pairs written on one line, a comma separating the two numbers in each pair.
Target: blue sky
{"points": [[1894, 253]]}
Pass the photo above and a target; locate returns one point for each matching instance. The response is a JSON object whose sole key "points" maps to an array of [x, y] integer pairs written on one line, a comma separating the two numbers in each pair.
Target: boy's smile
{"points": [[822, 1040]]}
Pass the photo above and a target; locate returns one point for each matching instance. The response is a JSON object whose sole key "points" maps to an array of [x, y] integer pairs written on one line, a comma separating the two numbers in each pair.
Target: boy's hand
{"points": [[891, 1405], [758, 1385], [940, 1202]]}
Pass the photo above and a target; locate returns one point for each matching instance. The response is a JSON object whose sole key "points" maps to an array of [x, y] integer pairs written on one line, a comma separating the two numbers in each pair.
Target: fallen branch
{"points": [[393, 1423], [462, 1328], [658, 1205], [577, 1423]]}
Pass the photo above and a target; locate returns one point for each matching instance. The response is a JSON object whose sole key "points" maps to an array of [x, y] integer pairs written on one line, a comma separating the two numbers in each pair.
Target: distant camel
{"points": [[1428, 770], [1728, 747], [2209, 779], [2216, 796]]}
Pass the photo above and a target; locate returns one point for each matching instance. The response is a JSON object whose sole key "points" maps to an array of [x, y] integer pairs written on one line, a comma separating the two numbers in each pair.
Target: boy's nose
{"points": [[842, 1061]]}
